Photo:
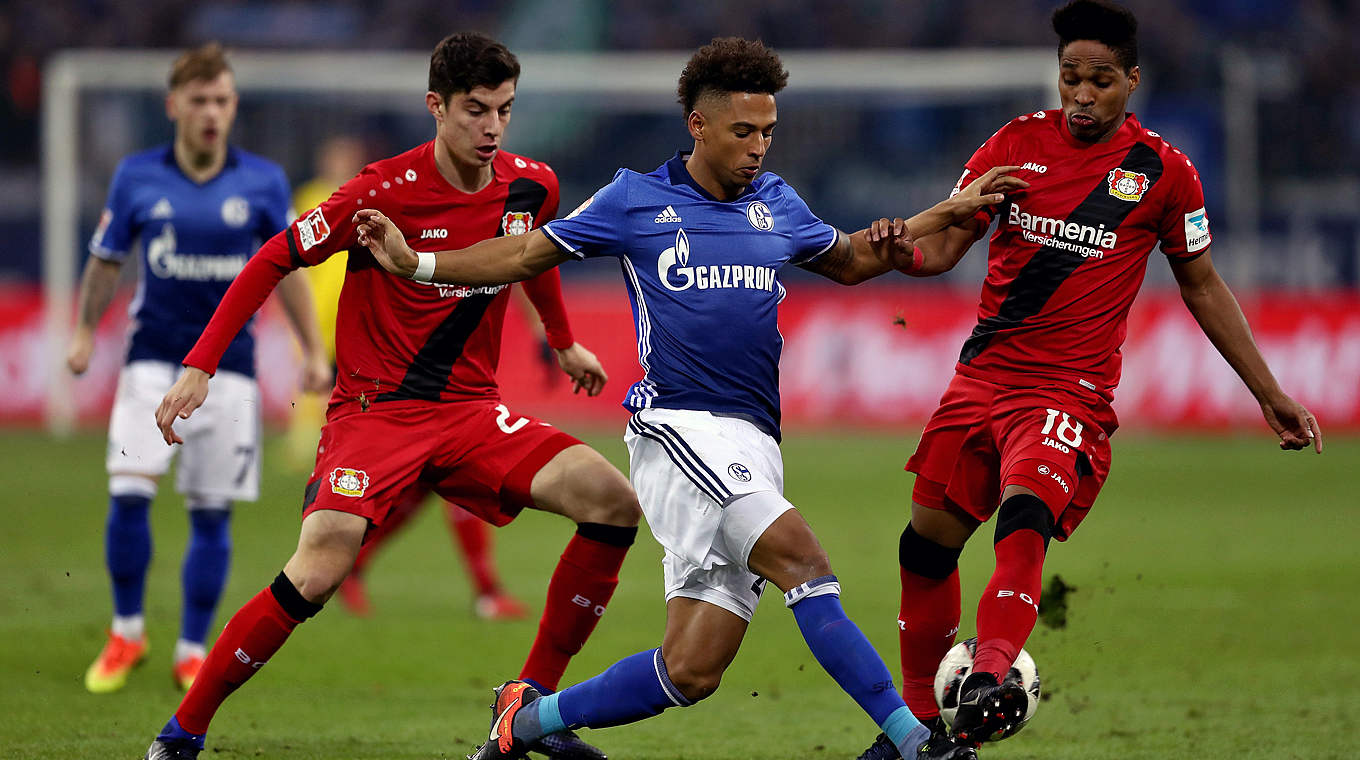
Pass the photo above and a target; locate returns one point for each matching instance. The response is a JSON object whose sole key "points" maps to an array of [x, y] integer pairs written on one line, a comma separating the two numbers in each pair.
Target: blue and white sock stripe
{"points": [[672, 693], [684, 459], [823, 586]]}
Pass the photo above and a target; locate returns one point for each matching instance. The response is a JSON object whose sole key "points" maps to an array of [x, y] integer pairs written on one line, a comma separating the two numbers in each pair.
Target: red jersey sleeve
{"points": [[545, 290], [329, 228], [1184, 229], [993, 152], [311, 239]]}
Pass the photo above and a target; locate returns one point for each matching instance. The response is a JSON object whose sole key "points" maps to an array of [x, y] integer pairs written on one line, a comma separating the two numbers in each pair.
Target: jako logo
{"points": [[673, 262], [437, 234], [1040, 168]]}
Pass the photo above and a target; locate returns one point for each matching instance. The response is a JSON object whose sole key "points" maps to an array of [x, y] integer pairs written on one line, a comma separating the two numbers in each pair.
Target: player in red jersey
{"points": [[1023, 429], [416, 399]]}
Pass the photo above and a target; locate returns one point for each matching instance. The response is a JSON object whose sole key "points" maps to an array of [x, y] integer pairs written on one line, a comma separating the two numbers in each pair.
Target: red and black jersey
{"points": [[1070, 251], [397, 339]]}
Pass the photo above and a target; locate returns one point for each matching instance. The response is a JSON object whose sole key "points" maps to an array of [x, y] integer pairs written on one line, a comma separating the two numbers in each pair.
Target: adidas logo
{"points": [[162, 209], [667, 215]]}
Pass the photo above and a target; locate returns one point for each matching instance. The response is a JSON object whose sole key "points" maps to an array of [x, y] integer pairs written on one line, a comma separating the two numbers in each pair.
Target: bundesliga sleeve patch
{"points": [[1197, 235], [312, 229], [349, 482]]}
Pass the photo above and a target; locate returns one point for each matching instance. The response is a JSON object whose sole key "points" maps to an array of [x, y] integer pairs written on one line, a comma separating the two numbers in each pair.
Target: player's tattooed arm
{"points": [[495, 261], [97, 287], [852, 259]]}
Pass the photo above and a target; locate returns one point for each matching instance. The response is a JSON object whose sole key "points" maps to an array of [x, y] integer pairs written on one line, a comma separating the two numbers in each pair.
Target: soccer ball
{"points": [[956, 666]]}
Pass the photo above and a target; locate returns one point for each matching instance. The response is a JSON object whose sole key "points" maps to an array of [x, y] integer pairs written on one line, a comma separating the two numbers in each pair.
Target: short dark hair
{"points": [[1105, 22], [730, 64], [466, 60], [203, 63]]}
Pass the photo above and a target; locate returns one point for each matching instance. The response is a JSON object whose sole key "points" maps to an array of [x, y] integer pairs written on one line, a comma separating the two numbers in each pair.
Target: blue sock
{"points": [[172, 732], [631, 689], [844, 653], [204, 572], [127, 550]]}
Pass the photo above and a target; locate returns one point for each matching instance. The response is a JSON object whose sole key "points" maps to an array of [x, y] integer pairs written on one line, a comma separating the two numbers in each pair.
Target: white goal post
{"points": [[647, 80]]}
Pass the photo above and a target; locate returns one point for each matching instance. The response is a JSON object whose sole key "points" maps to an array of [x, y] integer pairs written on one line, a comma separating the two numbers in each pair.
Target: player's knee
{"points": [[1024, 511], [921, 556], [132, 487], [606, 498]]}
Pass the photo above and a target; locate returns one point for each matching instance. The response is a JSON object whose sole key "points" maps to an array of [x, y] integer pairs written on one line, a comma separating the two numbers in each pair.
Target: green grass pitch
{"points": [[1215, 616]]}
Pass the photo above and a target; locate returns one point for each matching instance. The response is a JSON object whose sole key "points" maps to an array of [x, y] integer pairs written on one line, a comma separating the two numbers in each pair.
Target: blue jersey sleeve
{"points": [[811, 236], [597, 227], [278, 207], [112, 239]]}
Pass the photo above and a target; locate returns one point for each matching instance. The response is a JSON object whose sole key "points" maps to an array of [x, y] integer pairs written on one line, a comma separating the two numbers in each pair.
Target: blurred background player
{"points": [[198, 208], [338, 159], [416, 400], [1023, 429], [700, 241]]}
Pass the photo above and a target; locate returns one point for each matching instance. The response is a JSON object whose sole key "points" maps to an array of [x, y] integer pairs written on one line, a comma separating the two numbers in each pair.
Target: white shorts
{"points": [[221, 446], [690, 470]]}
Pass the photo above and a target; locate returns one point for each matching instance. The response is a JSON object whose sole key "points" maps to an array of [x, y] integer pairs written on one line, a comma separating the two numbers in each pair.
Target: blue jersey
{"points": [[194, 240], [702, 275]]}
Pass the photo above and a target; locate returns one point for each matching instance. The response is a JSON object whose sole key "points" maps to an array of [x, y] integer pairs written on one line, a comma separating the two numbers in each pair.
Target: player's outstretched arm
{"points": [[495, 261], [1208, 298], [97, 286], [988, 189], [186, 395]]}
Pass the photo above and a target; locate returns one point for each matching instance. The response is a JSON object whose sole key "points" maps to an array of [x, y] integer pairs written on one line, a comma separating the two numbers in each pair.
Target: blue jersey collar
{"points": [[679, 175]]}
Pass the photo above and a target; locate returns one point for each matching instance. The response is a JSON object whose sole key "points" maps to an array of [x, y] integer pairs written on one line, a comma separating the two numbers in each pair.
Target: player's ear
{"points": [[1135, 77], [435, 105], [695, 122], [171, 110]]}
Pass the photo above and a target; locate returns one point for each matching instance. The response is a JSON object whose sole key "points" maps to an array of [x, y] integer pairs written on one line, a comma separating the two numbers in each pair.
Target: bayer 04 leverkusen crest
{"points": [[517, 222], [1128, 186]]}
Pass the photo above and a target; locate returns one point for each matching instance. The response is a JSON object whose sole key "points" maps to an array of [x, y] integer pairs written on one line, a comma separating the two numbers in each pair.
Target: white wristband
{"points": [[424, 267]]}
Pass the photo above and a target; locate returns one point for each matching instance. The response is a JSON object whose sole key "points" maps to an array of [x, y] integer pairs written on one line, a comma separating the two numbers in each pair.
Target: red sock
{"points": [[577, 595], [1010, 605], [474, 538], [927, 625], [408, 504], [249, 639]]}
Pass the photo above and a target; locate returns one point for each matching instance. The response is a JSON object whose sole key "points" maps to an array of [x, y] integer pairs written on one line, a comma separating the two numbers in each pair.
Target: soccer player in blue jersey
{"points": [[701, 240], [198, 208]]}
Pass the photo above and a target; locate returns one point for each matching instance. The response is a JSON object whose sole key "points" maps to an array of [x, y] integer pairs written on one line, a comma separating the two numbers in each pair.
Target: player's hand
{"points": [[316, 374], [1297, 427], [81, 349], [987, 190], [186, 395], [385, 241], [891, 242], [583, 368]]}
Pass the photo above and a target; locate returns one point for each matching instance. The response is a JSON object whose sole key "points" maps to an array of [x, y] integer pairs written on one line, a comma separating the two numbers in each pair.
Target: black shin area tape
{"points": [[924, 557], [614, 535], [1024, 512], [290, 599]]}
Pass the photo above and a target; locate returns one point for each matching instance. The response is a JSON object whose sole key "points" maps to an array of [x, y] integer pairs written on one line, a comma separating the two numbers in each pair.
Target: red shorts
{"points": [[476, 454], [984, 437]]}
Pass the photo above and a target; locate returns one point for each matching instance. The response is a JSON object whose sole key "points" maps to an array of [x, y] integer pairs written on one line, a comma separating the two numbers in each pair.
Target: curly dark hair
{"points": [[1105, 22], [730, 64], [466, 60]]}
